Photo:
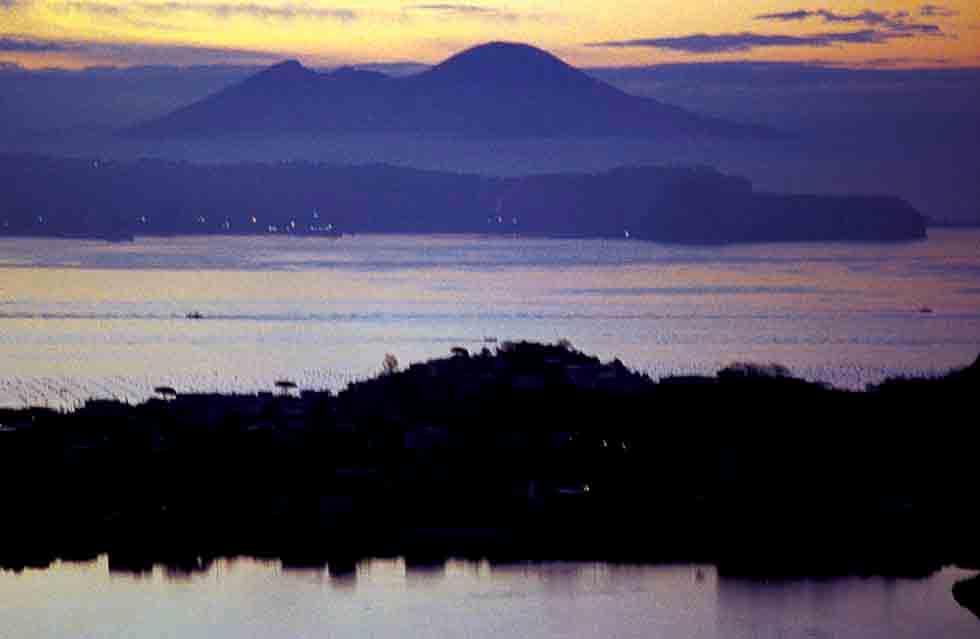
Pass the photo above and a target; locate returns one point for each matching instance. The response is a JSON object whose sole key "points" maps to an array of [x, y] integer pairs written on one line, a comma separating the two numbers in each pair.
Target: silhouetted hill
{"points": [[687, 205], [967, 594], [530, 452], [494, 89]]}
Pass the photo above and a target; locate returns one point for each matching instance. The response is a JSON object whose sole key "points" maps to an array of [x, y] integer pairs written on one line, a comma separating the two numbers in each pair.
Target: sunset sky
{"points": [[76, 33]]}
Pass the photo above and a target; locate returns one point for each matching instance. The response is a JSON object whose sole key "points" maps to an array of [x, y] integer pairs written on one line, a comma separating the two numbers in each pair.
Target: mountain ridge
{"points": [[498, 89]]}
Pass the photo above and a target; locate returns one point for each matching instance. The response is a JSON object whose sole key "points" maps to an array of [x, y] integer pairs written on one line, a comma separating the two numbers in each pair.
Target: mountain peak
{"points": [[504, 51], [285, 71], [503, 63], [288, 64]]}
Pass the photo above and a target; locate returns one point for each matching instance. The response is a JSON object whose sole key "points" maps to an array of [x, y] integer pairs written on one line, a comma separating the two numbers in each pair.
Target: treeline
{"points": [[528, 452]]}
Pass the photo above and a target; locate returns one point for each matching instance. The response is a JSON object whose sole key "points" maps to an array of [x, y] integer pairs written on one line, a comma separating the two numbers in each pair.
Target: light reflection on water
{"points": [[387, 598], [79, 319]]}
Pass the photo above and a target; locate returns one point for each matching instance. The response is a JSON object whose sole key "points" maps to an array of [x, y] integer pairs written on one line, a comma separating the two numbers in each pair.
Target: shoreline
{"points": [[127, 237], [668, 204]]}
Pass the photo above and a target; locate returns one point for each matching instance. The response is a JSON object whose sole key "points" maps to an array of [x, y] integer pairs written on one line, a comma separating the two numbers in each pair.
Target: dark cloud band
{"points": [[139, 54], [26, 45], [880, 28], [898, 21], [937, 11], [867, 16], [746, 41]]}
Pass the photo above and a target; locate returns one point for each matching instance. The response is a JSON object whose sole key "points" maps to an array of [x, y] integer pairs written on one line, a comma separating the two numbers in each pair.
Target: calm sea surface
{"points": [[237, 599], [81, 319]]}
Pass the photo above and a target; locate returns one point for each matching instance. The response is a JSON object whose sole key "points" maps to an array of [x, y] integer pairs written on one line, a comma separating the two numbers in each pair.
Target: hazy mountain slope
{"points": [[496, 89]]}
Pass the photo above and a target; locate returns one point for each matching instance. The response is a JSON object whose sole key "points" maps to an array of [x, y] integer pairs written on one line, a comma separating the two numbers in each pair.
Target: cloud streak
{"points": [[881, 27], [94, 8], [474, 11], [28, 45], [175, 55], [220, 10], [454, 8], [905, 61], [937, 11], [896, 21], [140, 54], [746, 41], [866, 17]]}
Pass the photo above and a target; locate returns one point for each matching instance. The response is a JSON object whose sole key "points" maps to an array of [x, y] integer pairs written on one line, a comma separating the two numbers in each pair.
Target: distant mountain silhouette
{"points": [[496, 89]]}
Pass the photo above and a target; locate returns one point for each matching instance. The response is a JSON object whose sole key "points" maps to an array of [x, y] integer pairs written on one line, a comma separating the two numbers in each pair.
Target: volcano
{"points": [[498, 89]]}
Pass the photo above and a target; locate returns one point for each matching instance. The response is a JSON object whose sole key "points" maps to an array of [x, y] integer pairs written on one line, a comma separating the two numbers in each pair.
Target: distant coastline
{"points": [[695, 205], [953, 224]]}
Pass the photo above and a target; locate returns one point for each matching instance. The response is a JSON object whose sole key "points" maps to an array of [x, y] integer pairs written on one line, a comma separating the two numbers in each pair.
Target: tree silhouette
{"points": [[389, 364]]}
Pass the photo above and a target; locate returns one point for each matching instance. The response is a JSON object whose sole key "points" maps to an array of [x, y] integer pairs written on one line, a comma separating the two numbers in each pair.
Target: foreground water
{"points": [[82, 319], [386, 598]]}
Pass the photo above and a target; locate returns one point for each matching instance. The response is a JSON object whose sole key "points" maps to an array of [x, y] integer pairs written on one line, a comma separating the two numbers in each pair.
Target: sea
{"points": [[86, 319], [387, 598]]}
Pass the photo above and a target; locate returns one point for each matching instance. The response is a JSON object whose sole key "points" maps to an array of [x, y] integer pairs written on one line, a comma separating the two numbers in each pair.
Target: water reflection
{"points": [[395, 598], [843, 607], [424, 572]]}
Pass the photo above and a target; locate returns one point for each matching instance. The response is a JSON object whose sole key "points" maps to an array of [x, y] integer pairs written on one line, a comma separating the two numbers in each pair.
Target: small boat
{"points": [[925, 309]]}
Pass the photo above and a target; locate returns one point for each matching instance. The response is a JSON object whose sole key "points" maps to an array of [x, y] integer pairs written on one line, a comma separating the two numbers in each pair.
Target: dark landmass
{"points": [[496, 89], [906, 132], [954, 224], [100, 198], [967, 594], [532, 452]]}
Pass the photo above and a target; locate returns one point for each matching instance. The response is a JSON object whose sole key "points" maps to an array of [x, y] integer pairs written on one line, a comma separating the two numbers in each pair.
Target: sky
{"points": [[80, 33]]}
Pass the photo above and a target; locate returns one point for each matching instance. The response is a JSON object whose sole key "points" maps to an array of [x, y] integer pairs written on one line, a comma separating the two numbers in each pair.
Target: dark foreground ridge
{"points": [[967, 594], [531, 452], [120, 200]]}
